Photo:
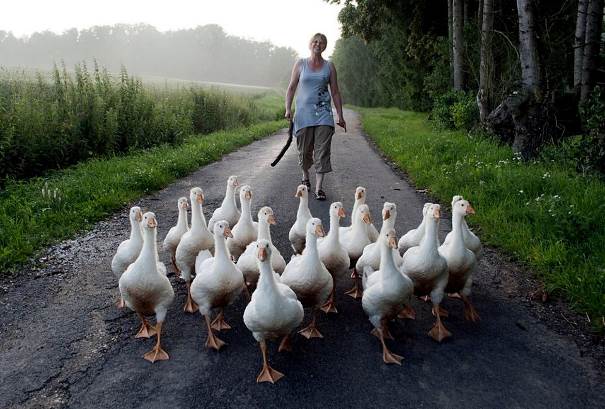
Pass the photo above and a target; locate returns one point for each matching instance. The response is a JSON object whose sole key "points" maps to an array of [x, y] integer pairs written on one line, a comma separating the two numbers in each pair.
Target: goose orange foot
{"points": [[146, 330], [214, 342], [219, 323], [156, 354], [385, 332], [285, 345], [470, 314], [407, 313], [268, 374], [329, 307], [355, 292], [439, 332], [190, 306]]}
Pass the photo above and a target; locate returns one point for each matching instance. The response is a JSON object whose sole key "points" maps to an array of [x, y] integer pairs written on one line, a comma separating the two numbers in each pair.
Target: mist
{"points": [[205, 53]]}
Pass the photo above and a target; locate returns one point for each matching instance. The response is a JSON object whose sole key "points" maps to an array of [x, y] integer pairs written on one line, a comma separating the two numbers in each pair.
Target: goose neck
{"points": [[266, 281], [429, 243], [264, 230], [135, 231], [149, 251], [182, 220], [220, 247], [387, 264], [303, 208]]}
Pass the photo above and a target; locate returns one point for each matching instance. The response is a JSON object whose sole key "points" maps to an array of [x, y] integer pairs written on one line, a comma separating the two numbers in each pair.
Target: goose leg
{"points": [[219, 322], [385, 332], [157, 353], [212, 341], [190, 306], [284, 345], [329, 306], [146, 330], [387, 356], [311, 331], [442, 311], [267, 374], [438, 332], [176, 269], [470, 314], [355, 292], [407, 313], [120, 304]]}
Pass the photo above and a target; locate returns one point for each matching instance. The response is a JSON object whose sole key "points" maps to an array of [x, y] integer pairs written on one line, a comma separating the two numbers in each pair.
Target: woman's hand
{"points": [[341, 122], [288, 115]]}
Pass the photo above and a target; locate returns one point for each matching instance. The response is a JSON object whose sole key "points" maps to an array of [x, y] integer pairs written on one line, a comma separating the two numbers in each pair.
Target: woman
{"points": [[314, 122]]}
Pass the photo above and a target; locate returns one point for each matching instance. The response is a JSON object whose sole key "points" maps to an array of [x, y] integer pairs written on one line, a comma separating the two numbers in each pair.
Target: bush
{"points": [[455, 110], [53, 123], [592, 144]]}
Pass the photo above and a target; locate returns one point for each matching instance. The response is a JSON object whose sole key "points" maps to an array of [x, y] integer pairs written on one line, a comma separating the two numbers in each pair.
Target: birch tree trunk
{"points": [[530, 69], [458, 41], [486, 69], [579, 44], [594, 22], [450, 37]]}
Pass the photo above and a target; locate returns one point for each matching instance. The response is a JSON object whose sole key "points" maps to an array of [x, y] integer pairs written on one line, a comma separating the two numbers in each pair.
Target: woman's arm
{"points": [[340, 121], [292, 89]]}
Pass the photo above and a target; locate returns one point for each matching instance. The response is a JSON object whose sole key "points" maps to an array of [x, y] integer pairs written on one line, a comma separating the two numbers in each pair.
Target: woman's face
{"points": [[317, 45]]}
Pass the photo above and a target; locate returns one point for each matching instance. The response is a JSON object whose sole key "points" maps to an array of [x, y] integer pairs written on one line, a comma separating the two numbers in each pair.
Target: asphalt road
{"points": [[64, 344]]}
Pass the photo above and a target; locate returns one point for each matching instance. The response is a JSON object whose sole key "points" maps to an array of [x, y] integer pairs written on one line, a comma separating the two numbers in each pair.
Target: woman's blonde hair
{"points": [[321, 36]]}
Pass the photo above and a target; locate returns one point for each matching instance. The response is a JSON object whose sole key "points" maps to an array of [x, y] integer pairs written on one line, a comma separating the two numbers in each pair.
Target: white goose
{"points": [[247, 262], [298, 233], [272, 312], [172, 239], [332, 253], [461, 261], [360, 198], [387, 292], [413, 237], [197, 239], [146, 290], [471, 241], [245, 231], [307, 276], [129, 249], [354, 241], [428, 270], [370, 258], [217, 284], [228, 210]]}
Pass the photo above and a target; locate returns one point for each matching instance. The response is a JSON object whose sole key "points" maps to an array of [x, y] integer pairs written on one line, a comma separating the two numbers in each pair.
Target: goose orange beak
{"points": [[227, 232], [262, 254], [386, 214], [139, 217], [359, 195], [470, 210], [200, 198], [436, 213], [152, 223], [393, 242], [271, 219], [248, 195], [341, 212], [319, 231], [299, 193], [367, 219]]}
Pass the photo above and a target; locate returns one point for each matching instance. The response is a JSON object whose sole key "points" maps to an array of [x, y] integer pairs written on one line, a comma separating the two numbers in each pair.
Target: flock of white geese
{"points": [[232, 253]]}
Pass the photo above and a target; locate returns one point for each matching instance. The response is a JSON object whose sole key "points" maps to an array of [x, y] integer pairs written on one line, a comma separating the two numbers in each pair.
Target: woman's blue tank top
{"points": [[313, 102]]}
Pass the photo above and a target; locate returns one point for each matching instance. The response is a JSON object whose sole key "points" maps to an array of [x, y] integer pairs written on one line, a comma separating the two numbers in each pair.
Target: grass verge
{"points": [[545, 214], [40, 211]]}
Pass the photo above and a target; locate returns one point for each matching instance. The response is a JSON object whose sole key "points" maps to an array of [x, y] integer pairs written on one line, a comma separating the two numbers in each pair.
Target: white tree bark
{"points": [[458, 41], [530, 69], [486, 69], [594, 22], [579, 43]]}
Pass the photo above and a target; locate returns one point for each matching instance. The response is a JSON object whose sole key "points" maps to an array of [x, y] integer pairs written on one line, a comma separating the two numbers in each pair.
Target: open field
{"points": [[544, 214]]}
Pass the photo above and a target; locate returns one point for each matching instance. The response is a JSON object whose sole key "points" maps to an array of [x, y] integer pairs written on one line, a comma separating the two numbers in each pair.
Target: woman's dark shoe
{"points": [[307, 183], [320, 195]]}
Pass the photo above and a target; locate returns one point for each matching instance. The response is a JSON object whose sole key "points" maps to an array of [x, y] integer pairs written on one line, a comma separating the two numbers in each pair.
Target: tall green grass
{"points": [[39, 211], [50, 122], [544, 213]]}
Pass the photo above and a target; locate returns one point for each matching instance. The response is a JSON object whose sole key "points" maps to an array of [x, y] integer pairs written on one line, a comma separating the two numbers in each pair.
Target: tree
{"points": [[486, 68], [594, 22], [579, 44], [458, 43]]}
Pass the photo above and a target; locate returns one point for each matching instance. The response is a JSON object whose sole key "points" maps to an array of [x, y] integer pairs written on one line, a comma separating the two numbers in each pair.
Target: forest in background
{"points": [[528, 72], [204, 53]]}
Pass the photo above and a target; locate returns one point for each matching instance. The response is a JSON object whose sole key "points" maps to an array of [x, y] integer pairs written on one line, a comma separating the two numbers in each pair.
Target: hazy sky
{"points": [[283, 22]]}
